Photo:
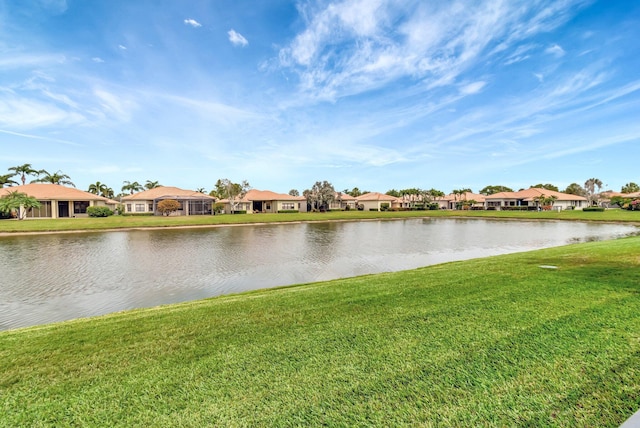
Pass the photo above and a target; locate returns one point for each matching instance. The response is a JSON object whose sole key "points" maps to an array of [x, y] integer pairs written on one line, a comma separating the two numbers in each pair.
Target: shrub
{"points": [[287, 211], [239, 212], [168, 206], [384, 207], [593, 209], [99, 212]]}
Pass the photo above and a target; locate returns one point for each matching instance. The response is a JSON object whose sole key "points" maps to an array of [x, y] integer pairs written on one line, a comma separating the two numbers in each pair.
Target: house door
{"points": [[63, 208], [257, 206]]}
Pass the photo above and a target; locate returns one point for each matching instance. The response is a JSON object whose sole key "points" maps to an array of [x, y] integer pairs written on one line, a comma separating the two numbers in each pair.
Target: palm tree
{"points": [[23, 171], [108, 193], [151, 184], [590, 186], [201, 190], [6, 179], [56, 178], [97, 188], [132, 187]]}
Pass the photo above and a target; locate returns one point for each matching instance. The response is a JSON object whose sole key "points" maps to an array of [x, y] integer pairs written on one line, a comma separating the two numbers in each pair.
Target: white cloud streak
{"points": [[350, 47], [192, 22], [236, 38]]}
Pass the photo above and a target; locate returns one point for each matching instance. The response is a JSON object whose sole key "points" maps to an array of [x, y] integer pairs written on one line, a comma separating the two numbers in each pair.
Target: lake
{"points": [[56, 277]]}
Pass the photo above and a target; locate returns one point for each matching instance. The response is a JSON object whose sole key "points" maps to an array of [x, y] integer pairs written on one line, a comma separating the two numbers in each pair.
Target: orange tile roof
{"points": [[534, 192], [46, 192], [467, 196], [267, 195], [165, 192], [375, 196]]}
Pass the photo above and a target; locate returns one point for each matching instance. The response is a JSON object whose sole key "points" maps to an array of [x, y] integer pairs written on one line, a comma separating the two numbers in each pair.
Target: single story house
{"points": [[58, 201], [343, 201], [191, 202], [467, 200], [374, 201], [530, 198], [266, 201]]}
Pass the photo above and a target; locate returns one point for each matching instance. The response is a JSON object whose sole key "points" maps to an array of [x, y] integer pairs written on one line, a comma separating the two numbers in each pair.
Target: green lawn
{"points": [[120, 222], [489, 342]]}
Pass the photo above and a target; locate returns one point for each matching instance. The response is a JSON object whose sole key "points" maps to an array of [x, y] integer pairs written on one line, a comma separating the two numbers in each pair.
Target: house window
{"points": [[288, 206], [150, 208], [128, 208], [43, 211], [80, 207], [139, 208]]}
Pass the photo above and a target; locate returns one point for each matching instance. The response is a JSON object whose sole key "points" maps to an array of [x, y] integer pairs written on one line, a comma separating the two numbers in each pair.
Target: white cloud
{"points": [[472, 88], [555, 50], [192, 22], [539, 76], [346, 49], [97, 59], [122, 47], [236, 38]]}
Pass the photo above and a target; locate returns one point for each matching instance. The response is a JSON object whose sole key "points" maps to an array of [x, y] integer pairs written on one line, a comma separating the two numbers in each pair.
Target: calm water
{"points": [[49, 278]]}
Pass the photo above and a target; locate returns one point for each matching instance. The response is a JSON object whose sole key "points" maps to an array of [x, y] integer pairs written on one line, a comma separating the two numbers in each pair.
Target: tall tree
{"points": [[547, 186], [321, 194], [7, 180], [57, 177], [201, 190], [492, 190], [294, 192], [97, 188], [132, 187], [234, 192], [627, 188], [575, 189], [19, 202], [592, 194], [23, 171], [151, 184]]}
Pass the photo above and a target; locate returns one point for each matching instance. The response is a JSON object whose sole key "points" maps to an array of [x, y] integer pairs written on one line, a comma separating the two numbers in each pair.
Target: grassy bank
{"points": [[123, 222], [498, 341]]}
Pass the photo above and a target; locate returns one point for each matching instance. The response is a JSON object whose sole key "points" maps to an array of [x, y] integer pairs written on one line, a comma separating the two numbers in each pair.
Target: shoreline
{"points": [[266, 223]]}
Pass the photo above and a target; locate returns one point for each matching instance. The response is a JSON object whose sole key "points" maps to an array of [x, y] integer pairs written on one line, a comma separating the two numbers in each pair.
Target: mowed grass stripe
{"points": [[497, 341]]}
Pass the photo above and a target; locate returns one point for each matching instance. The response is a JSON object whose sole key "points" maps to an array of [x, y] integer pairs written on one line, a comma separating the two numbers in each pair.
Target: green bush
{"points": [[384, 207], [593, 209], [99, 212], [138, 214], [239, 212], [287, 211]]}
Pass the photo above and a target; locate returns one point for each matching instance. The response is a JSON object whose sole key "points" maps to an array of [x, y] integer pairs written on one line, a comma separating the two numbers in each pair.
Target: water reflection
{"points": [[49, 278]]}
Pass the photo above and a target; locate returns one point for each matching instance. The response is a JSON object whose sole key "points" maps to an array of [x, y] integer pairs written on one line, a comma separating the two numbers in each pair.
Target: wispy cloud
{"points": [[347, 49], [97, 59], [122, 47], [192, 22], [236, 38], [555, 50]]}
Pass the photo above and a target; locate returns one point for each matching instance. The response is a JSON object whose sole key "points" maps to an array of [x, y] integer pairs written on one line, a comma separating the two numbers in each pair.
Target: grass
{"points": [[489, 342], [123, 222]]}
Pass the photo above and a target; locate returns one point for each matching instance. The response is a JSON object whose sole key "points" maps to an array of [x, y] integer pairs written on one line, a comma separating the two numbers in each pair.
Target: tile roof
{"points": [[46, 191], [166, 192], [534, 192], [375, 196], [265, 195], [467, 196]]}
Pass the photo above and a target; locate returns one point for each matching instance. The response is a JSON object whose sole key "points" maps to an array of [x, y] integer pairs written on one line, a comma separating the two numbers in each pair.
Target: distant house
{"points": [[191, 202], [467, 200], [58, 201], [343, 201], [375, 201], [266, 201], [529, 198]]}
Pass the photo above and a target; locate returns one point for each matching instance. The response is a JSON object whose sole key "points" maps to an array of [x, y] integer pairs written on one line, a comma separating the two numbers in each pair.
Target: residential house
{"points": [[265, 201], [467, 200], [529, 199], [191, 202], [58, 201], [343, 201], [375, 201]]}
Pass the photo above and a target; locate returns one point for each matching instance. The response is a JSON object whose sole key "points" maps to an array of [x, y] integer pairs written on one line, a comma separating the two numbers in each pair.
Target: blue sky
{"points": [[372, 94]]}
